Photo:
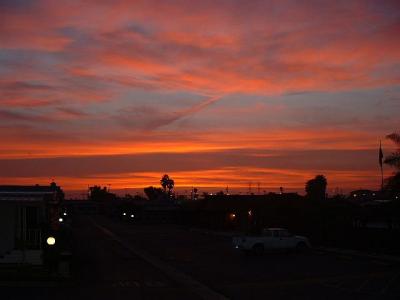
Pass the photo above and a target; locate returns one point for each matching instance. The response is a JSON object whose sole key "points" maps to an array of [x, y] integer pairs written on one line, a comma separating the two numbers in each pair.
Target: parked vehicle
{"points": [[271, 239]]}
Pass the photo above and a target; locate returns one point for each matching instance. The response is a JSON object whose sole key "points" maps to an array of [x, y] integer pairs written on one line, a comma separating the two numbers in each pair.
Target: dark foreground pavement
{"points": [[101, 269], [116, 260], [211, 260]]}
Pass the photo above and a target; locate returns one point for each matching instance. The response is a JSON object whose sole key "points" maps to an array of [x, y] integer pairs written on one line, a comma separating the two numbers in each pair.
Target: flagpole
{"points": [[381, 177], [380, 162]]}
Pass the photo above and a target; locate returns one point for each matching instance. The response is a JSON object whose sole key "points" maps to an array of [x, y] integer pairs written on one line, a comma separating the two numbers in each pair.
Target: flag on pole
{"points": [[380, 154]]}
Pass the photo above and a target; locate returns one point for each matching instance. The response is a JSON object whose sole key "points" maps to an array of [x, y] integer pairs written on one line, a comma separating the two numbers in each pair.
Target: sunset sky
{"points": [[214, 93]]}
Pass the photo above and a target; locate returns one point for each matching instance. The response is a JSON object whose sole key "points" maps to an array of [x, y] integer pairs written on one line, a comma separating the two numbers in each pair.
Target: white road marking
{"points": [[362, 285], [195, 286]]}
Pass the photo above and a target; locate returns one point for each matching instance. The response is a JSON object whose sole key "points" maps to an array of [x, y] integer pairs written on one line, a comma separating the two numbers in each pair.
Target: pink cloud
{"points": [[73, 72], [301, 47]]}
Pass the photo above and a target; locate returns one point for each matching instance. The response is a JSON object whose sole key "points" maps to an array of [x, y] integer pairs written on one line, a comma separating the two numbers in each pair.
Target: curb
{"points": [[33, 283], [382, 257], [389, 258]]}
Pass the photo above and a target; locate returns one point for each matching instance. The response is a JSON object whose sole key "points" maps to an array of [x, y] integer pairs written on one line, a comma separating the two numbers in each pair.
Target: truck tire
{"points": [[258, 249], [301, 247], [246, 252]]}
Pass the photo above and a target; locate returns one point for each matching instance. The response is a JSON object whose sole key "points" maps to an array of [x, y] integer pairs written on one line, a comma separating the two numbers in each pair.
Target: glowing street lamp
{"points": [[50, 241], [60, 220]]}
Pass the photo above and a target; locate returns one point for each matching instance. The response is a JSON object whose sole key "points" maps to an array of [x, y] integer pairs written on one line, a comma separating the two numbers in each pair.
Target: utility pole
{"points": [[381, 163]]}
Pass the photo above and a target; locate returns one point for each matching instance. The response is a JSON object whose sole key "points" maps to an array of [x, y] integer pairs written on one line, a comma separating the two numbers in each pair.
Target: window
{"points": [[267, 232], [284, 233]]}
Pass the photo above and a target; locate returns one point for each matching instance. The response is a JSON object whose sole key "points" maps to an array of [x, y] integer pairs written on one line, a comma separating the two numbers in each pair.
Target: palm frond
{"points": [[393, 159], [395, 137]]}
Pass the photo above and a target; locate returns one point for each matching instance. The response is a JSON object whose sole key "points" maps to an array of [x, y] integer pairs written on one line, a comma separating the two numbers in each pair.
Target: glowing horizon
{"points": [[212, 93]]}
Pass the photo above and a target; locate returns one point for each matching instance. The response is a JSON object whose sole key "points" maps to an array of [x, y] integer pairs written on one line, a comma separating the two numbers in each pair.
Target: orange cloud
{"points": [[90, 78], [237, 179]]}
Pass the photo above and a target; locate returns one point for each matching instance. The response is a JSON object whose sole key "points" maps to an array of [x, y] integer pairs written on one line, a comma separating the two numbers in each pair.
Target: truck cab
{"points": [[271, 239]]}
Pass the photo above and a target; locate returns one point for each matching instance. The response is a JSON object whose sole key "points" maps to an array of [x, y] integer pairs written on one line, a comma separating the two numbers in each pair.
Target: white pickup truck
{"points": [[271, 239]]}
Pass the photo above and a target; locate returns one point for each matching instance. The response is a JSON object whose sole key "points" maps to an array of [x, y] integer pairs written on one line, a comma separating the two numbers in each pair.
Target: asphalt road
{"points": [[117, 260], [211, 260], [101, 269]]}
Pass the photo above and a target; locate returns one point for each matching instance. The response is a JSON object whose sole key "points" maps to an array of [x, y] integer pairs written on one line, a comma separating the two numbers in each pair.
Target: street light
{"points": [[50, 241], [60, 220]]}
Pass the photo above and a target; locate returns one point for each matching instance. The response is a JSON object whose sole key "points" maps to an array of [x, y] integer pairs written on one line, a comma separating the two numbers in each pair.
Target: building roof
{"points": [[27, 192], [28, 188]]}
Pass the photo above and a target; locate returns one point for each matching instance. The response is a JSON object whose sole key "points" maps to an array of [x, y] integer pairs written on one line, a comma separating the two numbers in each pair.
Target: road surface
{"points": [[118, 260]]}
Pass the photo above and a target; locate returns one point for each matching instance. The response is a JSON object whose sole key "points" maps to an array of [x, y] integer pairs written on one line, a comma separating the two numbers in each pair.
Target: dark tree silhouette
{"points": [[393, 159], [153, 193], [167, 183], [170, 185], [164, 181], [392, 183], [316, 188], [97, 193]]}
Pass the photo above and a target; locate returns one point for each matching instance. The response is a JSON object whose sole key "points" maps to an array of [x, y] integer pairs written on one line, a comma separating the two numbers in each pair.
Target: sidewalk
{"points": [[13, 275], [383, 257]]}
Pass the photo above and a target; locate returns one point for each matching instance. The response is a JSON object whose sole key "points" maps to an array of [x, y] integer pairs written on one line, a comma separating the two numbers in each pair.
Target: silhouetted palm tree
{"points": [[164, 181], [394, 158], [170, 185], [392, 183], [167, 183], [316, 188]]}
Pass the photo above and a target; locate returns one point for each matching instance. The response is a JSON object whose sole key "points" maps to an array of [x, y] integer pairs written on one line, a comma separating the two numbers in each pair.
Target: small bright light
{"points": [[65, 214], [250, 213], [50, 241], [124, 214], [60, 220], [373, 194], [132, 216], [355, 195]]}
